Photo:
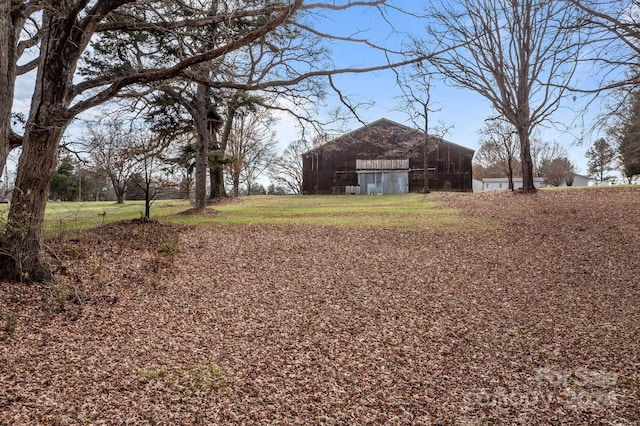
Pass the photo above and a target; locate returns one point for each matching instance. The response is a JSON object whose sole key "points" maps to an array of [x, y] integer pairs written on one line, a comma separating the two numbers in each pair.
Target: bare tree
{"points": [[415, 82], [148, 151], [251, 146], [110, 149], [498, 147], [545, 153], [551, 162], [519, 55], [287, 167], [557, 170], [181, 161], [613, 27]]}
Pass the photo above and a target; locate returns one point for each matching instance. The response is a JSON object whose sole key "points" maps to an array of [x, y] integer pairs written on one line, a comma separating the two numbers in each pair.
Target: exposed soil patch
{"points": [[534, 322]]}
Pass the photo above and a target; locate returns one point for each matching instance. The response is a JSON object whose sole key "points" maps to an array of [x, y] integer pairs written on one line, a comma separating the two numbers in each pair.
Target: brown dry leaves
{"points": [[536, 322]]}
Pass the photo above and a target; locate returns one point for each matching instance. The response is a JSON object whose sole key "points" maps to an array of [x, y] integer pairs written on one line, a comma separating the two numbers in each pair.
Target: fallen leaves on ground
{"points": [[534, 321]]}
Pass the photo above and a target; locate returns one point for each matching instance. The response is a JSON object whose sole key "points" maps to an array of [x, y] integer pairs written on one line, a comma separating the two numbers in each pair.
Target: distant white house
{"points": [[494, 184], [579, 180]]}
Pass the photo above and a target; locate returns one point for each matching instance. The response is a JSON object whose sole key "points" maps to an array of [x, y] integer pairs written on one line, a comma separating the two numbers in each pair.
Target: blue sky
{"points": [[461, 110]]}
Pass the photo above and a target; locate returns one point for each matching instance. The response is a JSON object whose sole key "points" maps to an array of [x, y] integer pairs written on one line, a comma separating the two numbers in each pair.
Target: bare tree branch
{"points": [[116, 83], [518, 55]]}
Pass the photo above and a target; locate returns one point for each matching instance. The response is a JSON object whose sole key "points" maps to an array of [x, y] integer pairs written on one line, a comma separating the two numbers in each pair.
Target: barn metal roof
{"points": [[347, 136]]}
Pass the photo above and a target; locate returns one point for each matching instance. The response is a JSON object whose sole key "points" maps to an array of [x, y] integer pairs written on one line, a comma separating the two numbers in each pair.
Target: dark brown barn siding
{"points": [[331, 167]]}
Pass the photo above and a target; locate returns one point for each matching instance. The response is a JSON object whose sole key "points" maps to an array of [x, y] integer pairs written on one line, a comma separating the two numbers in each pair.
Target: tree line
{"points": [[118, 164], [497, 157], [619, 152]]}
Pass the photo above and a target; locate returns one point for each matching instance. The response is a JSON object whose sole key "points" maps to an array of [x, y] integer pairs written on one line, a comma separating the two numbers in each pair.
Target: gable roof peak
{"points": [[378, 122]]}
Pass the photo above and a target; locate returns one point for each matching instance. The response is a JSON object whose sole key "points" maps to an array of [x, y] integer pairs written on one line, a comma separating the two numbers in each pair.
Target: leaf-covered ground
{"points": [[535, 320]]}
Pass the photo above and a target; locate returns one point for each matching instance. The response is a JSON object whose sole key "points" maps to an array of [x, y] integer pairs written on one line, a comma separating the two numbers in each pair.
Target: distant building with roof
{"points": [[385, 157]]}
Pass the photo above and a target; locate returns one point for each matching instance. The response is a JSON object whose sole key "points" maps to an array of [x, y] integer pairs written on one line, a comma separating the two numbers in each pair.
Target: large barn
{"points": [[385, 157]]}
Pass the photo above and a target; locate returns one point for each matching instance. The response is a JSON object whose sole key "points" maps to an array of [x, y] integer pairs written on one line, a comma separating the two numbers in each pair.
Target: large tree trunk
{"points": [[7, 79], [22, 244], [202, 147], [147, 199], [217, 189], [223, 143], [509, 159], [425, 151], [119, 189], [236, 184], [6, 94], [522, 109], [510, 172], [216, 164], [200, 201], [527, 161]]}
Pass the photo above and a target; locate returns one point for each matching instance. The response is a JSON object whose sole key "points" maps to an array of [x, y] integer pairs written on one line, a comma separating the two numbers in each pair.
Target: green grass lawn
{"points": [[63, 216], [393, 211], [407, 211]]}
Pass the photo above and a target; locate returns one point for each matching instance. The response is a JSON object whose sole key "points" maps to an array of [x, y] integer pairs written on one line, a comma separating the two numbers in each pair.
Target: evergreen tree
{"points": [[629, 143], [64, 184], [601, 156]]}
